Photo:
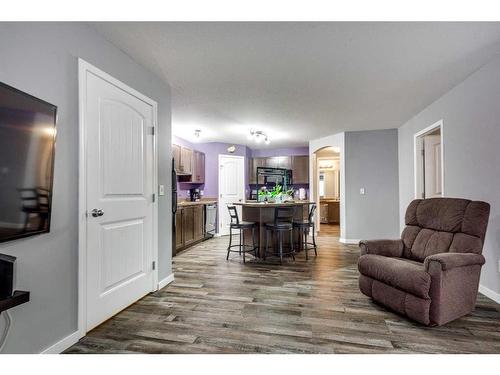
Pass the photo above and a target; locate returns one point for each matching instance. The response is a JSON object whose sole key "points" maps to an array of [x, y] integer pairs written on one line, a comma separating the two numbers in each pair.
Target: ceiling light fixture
{"points": [[259, 136], [197, 133]]}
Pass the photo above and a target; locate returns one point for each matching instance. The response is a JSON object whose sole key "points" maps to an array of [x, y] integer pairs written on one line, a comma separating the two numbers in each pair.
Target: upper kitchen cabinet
{"points": [[255, 163], [300, 169], [198, 175], [278, 162], [176, 154], [186, 165], [189, 164]]}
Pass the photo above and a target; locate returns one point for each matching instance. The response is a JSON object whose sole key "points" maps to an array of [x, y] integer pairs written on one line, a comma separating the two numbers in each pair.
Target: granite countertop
{"points": [[200, 202]]}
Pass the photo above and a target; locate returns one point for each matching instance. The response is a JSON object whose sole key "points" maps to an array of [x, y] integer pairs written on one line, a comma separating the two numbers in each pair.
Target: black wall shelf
{"points": [[17, 298]]}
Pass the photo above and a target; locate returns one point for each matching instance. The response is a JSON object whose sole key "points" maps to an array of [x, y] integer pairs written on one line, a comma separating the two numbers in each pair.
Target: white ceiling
{"points": [[301, 81]]}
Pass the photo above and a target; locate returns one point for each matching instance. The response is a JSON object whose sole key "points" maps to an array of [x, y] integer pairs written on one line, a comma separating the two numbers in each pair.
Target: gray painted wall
{"points": [[471, 136], [42, 59], [371, 162]]}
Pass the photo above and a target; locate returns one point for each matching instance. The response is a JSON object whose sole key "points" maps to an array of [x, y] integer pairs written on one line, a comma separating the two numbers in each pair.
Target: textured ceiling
{"points": [[301, 81]]}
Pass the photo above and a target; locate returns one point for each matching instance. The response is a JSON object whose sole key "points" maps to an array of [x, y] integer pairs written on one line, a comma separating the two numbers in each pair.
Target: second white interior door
{"points": [[231, 187]]}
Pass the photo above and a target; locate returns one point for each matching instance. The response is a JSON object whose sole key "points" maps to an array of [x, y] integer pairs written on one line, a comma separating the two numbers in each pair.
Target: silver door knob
{"points": [[97, 212]]}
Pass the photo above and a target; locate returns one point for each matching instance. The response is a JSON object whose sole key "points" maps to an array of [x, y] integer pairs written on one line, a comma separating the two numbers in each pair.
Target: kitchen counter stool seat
{"points": [[236, 224]]}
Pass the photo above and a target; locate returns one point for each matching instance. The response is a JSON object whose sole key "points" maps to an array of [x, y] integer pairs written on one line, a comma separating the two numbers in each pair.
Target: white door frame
{"points": [[219, 183], [84, 68], [430, 128]]}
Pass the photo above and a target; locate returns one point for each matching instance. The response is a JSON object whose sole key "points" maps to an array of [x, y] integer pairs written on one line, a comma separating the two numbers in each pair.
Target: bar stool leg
{"points": [[291, 244], [305, 242], [243, 239], [230, 241], [314, 240], [267, 244], [240, 240], [254, 242], [280, 239]]}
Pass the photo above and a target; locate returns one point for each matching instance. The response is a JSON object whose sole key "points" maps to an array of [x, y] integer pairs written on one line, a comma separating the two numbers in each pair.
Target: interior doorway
{"points": [[429, 165], [231, 188], [327, 186]]}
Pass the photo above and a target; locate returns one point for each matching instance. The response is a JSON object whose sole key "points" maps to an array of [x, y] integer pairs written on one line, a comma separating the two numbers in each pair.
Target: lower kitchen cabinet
{"points": [[190, 225]]}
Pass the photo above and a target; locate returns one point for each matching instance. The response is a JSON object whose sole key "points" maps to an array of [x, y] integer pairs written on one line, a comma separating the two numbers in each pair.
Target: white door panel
{"points": [[432, 160], [231, 187], [120, 177]]}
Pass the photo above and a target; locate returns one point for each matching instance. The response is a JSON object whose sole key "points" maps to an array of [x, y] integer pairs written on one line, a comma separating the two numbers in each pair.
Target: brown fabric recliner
{"points": [[431, 274]]}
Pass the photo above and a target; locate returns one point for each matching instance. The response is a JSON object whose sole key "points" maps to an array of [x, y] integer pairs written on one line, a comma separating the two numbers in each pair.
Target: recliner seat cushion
{"points": [[397, 272]]}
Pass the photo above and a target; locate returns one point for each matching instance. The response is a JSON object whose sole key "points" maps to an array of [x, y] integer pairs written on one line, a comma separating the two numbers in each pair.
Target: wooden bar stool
{"points": [[241, 226], [304, 226], [283, 223]]}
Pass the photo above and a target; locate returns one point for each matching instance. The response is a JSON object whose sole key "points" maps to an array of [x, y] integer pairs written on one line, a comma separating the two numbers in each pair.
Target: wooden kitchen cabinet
{"points": [[179, 235], [334, 212], [253, 165], [190, 225], [278, 162], [176, 154], [186, 166], [300, 169], [198, 175], [199, 223]]}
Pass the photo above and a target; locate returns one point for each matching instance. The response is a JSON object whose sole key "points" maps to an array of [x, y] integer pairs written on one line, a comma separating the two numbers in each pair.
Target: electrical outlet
{"points": [[362, 191], [161, 189]]}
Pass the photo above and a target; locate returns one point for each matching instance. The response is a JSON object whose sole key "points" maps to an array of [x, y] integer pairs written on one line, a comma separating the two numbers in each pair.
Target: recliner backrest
{"points": [[440, 225]]}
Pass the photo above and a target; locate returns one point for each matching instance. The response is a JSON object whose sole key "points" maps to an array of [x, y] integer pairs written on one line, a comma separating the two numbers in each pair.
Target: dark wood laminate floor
{"points": [[214, 306]]}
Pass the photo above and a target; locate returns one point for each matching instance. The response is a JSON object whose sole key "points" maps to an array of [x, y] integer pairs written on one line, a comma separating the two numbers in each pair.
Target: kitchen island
{"points": [[263, 213]]}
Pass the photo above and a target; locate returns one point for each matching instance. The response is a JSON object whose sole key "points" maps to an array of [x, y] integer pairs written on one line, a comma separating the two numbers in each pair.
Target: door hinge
{"points": [[152, 130], [154, 265], [153, 198]]}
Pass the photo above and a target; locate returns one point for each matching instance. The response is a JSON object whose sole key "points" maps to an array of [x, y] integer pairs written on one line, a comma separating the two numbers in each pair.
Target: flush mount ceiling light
{"points": [[259, 136]]}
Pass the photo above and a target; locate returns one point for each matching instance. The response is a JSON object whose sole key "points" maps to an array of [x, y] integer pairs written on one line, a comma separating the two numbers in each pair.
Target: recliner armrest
{"points": [[388, 248], [454, 260]]}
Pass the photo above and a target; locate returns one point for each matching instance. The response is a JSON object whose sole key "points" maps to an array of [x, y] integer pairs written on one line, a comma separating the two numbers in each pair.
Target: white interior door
{"points": [[120, 182], [432, 166], [231, 187]]}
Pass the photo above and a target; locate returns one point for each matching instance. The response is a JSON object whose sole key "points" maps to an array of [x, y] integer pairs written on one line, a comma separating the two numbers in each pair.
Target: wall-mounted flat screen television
{"points": [[27, 145]]}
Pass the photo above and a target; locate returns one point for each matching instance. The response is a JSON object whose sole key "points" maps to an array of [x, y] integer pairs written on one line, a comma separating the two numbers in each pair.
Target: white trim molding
{"points": [[489, 293], [167, 280], [349, 241], [63, 344]]}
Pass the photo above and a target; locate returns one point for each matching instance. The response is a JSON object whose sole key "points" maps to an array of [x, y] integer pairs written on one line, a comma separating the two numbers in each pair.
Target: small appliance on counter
{"points": [[302, 194], [194, 195]]}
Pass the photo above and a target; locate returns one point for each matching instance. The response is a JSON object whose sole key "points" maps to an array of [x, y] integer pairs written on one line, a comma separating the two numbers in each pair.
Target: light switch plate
{"points": [[499, 266], [362, 191], [161, 189]]}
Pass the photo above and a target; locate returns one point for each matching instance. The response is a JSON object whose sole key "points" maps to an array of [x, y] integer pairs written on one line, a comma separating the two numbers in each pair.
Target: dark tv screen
{"points": [[27, 143]]}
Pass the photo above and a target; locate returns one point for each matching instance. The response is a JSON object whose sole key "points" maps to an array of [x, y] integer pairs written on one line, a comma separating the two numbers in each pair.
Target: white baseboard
{"points": [[167, 280], [63, 344], [489, 293], [349, 241]]}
